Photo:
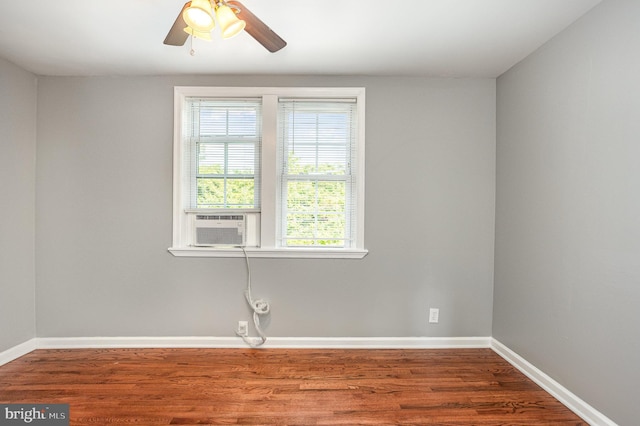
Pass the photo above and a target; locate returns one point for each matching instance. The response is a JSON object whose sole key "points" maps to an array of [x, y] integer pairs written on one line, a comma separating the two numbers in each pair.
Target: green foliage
{"points": [[316, 212], [217, 191]]}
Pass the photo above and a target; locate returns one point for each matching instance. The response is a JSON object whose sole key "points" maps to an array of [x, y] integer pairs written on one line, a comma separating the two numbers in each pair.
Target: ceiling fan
{"points": [[196, 19]]}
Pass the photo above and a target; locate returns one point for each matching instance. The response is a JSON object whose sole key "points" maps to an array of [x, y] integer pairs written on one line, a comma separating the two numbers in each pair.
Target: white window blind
{"points": [[224, 138], [317, 176]]}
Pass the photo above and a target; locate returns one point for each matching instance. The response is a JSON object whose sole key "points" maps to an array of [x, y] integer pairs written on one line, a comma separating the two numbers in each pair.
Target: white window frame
{"points": [[268, 184]]}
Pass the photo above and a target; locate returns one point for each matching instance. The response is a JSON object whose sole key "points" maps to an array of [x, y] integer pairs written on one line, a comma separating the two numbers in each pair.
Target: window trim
{"points": [[270, 96]]}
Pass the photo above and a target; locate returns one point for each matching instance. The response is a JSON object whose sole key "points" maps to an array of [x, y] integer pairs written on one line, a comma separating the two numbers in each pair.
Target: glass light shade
{"points": [[198, 16], [230, 25], [204, 35]]}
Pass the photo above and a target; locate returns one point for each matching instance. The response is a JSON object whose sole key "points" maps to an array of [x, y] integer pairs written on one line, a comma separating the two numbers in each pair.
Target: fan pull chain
{"points": [[192, 52]]}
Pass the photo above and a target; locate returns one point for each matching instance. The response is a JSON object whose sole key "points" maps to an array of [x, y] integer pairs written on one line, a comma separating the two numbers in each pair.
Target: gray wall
{"points": [[104, 218], [17, 204], [567, 286]]}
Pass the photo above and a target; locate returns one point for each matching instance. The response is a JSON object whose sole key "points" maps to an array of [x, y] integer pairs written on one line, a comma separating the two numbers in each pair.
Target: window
{"points": [[224, 136], [285, 165], [315, 169]]}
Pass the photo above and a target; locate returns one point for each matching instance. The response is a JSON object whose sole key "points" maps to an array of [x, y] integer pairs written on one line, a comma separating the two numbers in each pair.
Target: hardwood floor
{"points": [[281, 386]]}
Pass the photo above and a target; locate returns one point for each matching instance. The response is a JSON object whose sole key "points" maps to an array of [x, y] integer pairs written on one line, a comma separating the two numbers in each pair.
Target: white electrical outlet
{"points": [[434, 315], [243, 328]]}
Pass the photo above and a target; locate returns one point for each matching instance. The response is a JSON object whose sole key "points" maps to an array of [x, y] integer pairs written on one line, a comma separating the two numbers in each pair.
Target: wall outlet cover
{"points": [[243, 328], [434, 315]]}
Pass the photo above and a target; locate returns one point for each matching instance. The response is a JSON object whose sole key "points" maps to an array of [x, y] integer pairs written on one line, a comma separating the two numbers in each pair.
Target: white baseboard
{"points": [[562, 394], [235, 342], [380, 342], [17, 351], [272, 342]]}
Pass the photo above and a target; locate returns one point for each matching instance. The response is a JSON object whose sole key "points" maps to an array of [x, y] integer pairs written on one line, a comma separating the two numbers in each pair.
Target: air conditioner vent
{"points": [[219, 230], [219, 217]]}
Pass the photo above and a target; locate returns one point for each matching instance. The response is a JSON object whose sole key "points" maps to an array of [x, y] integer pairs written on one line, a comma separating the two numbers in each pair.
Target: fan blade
{"points": [[258, 29], [177, 36]]}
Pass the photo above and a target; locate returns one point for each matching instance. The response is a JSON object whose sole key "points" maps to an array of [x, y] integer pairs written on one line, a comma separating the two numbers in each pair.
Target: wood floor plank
{"points": [[281, 387]]}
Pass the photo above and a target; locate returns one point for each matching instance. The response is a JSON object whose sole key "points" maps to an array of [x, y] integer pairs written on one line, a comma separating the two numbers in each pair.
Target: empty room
{"points": [[293, 212]]}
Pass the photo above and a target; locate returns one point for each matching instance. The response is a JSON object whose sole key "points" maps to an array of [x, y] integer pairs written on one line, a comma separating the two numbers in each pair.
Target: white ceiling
{"points": [[452, 38]]}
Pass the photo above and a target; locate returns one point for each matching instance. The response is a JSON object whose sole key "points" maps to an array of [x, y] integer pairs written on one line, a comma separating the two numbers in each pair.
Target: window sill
{"points": [[284, 253]]}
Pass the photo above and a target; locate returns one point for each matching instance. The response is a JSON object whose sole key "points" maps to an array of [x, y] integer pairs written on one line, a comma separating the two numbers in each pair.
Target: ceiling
{"points": [[444, 38]]}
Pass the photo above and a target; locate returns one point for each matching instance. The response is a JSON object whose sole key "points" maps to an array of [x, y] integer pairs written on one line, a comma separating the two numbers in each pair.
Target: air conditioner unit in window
{"points": [[219, 230]]}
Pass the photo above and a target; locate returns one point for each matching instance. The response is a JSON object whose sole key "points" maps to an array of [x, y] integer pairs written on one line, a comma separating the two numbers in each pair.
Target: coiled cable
{"points": [[258, 306]]}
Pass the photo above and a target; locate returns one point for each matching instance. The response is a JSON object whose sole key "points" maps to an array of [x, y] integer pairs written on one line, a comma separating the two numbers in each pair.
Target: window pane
{"points": [[314, 159], [213, 121], [242, 121], [316, 213], [301, 196], [240, 193], [332, 196], [330, 226], [225, 193], [300, 225], [241, 159], [302, 160], [210, 159], [332, 159], [315, 230], [220, 118], [210, 192]]}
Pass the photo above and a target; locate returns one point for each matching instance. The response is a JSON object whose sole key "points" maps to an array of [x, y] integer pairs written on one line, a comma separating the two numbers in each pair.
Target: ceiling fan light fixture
{"points": [[230, 25], [199, 17]]}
